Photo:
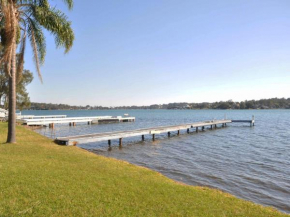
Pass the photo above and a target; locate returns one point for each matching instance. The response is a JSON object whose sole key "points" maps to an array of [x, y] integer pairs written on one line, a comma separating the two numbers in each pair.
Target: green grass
{"points": [[39, 178]]}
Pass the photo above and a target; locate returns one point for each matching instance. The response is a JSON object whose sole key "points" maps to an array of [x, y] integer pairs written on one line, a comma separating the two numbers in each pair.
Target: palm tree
{"points": [[22, 19]]}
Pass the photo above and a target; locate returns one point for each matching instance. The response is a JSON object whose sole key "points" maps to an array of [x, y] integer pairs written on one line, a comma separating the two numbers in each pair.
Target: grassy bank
{"points": [[39, 178]]}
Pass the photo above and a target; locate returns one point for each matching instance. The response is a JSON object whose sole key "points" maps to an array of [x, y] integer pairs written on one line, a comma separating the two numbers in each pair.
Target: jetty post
{"points": [[120, 142], [253, 121]]}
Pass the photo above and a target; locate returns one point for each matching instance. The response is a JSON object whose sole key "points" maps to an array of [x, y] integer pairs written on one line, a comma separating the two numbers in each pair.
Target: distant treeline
{"points": [[274, 103]]}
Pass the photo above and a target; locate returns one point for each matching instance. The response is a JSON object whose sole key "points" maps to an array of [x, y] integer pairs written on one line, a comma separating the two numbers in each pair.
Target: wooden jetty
{"points": [[73, 120], [108, 136]]}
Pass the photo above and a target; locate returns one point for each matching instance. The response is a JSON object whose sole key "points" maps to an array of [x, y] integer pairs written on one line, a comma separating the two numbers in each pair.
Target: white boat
{"points": [[126, 115]]}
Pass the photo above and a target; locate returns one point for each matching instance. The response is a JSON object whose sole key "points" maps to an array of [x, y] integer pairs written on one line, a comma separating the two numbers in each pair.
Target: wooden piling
{"points": [[253, 121], [196, 129], [215, 126], [109, 142], [211, 127], [187, 130], [202, 128], [120, 142], [153, 137], [178, 132], [143, 137], [168, 134]]}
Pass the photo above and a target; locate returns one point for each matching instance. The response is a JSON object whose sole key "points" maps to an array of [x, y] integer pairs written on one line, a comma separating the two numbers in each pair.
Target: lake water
{"points": [[252, 163]]}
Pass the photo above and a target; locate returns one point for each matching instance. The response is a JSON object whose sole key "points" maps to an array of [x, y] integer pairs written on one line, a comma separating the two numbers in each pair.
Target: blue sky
{"points": [[141, 52]]}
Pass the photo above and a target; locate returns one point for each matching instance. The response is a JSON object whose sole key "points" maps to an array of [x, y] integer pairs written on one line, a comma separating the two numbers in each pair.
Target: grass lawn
{"points": [[40, 178]]}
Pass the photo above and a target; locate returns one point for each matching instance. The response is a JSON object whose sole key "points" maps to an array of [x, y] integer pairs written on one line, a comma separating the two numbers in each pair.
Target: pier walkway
{"points": [[108, 136]]}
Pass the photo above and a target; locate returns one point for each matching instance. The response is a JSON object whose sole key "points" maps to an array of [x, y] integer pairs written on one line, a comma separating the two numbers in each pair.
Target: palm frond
{"points": [[56, 22], [35, 51], [35, 28], [41, 3], [69, 3], [20, 58]]}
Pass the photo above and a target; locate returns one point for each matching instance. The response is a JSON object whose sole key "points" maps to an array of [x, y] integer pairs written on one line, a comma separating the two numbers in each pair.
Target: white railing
{"points": [[62, 120]]}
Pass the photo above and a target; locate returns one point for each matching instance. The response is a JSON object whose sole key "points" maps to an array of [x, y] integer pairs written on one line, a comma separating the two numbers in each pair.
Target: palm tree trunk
{"points": [[11, 138]]}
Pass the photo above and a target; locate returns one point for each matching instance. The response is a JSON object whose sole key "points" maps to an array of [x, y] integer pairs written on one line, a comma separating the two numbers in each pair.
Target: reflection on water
{"points": [[250, 162]]}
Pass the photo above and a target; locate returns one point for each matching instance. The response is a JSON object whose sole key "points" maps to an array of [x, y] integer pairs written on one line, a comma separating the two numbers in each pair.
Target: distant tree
{"points": [[3, 88], [242, 105], [224, 105], [252, 104], [155, 106], [22, 97], [249, 104]]}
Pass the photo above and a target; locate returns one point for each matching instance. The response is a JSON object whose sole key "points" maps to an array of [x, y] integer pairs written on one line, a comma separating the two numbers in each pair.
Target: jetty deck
{"points": [[73, 120], [108, 136]]}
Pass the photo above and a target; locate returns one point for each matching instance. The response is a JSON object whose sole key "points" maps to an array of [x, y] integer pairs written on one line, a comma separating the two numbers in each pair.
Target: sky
{"points": [[142, 52]]}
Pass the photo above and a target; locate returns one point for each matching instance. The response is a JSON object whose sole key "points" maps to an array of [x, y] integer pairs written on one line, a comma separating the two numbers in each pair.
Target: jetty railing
{"points": [[39, 116]]}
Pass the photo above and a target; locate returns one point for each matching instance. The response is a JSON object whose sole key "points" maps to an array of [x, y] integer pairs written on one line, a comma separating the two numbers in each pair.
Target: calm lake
{"points": [[252, 163]]}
